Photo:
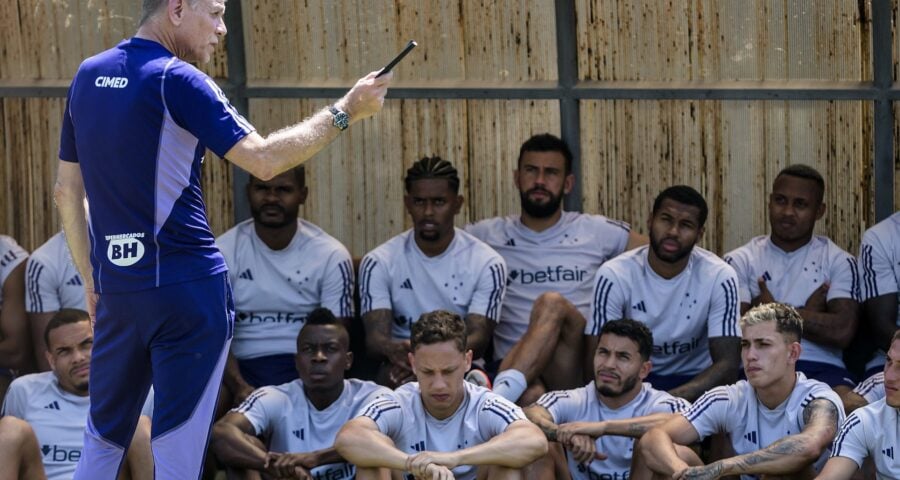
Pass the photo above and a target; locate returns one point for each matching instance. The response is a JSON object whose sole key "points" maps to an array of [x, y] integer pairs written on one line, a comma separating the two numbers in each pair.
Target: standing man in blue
{"points": [[137, 122]]}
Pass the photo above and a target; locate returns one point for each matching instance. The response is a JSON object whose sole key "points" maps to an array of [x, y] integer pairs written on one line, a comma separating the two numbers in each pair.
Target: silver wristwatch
{"points": [[341, 118]]}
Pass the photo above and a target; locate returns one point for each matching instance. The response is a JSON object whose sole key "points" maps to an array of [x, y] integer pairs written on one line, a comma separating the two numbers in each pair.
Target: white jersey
{"points": [[283, 414], [879, 260], [793, 276], [583, 405], [683, 312], [872, 389], [275, 290], [481, 416], [51, 280], [879, 263], [57, 417], [871, 431], [468, 278], [750, 425], [11, 255], [561, 259]]}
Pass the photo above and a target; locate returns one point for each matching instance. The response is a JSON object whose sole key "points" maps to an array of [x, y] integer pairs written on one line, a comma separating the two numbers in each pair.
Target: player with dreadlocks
{"points": [[430, 267]]}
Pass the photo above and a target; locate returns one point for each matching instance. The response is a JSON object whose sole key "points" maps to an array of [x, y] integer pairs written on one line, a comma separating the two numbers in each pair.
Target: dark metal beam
{"points": [[882, 72], [569, 108], [239, 93], [236, 91]]}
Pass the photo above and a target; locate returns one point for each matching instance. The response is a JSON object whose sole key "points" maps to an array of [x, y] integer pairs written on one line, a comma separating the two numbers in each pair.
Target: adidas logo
{"points": [[511, 242], [767, 276], [406, 284], [419, 447], [640, 307], [54, 405], [751, 437], [888, 452], [298, 433], [76, 280], [246, 275]]}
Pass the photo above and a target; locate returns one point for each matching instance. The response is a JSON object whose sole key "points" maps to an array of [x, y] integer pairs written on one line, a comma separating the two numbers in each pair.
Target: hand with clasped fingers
{"points": [[580, 439], [432, 465]]}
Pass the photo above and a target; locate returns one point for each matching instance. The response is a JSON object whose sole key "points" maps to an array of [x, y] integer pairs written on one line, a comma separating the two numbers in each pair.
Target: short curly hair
{"points": [[788, 321], [437, 327]]}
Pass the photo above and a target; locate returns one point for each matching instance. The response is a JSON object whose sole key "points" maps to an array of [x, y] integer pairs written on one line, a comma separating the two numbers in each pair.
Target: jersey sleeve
{"points": [[15, 404], [199, 106], [561, 405], [478, 230], [337, 286], [724, 307], [872, 389], [669, 404], [843, 278], [738, 261], [370, 396], [620, 231], [709, 413], [374, 285], [608, 301], [876, 269], [387, 414], [496, 415], [41, 285], [850, 441], [261, 409], [67, 151], [11, 255], [491, 288]]}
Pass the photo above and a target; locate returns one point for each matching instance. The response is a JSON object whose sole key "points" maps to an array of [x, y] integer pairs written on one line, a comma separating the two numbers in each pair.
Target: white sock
{"points": [[510, 384]]}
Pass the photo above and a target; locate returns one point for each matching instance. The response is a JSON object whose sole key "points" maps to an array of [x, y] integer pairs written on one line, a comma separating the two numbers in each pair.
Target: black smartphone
{"points": [[387, 68]]}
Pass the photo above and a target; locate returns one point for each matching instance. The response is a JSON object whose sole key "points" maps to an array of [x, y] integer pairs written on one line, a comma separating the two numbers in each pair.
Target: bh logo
{"points": [[124, 250]]}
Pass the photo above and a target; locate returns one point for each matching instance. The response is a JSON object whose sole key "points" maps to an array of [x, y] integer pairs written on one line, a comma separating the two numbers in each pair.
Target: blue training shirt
{"points": [[138, 121]]}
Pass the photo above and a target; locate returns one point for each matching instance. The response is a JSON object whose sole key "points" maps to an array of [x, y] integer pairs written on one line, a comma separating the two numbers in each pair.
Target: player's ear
{"points": [[304, 193], [569, 183], [795, 350], [175, 11], [349, 360], [412, 360], [468, 360], [460, 200], [645, 369]]}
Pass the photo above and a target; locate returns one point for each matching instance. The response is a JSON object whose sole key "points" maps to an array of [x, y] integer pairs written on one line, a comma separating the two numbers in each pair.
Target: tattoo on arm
{"points": [[818, 413], [638, 429], [786, 446], [821, 412], [542, 418], [549, 430]]}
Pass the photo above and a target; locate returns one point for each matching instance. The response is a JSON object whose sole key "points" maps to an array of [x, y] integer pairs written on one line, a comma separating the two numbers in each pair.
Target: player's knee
{"points": [[550, 306], [14, 431]]}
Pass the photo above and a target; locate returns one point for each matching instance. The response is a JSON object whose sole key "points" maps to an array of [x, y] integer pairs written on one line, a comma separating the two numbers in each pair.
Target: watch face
{"points": [[341, 119]]}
